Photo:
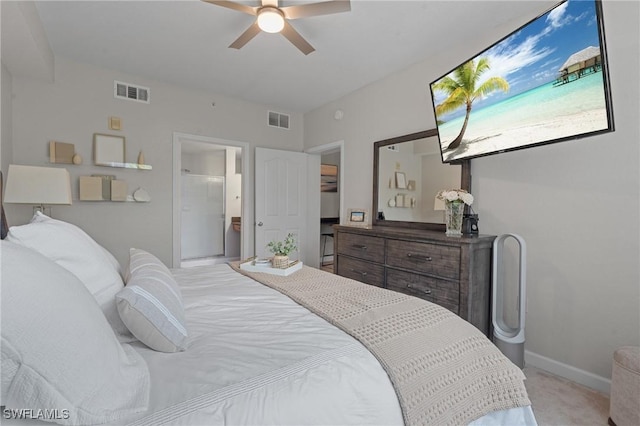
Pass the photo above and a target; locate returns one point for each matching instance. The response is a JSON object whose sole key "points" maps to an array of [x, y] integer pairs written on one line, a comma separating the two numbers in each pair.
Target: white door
{"points": [[287, 195]]}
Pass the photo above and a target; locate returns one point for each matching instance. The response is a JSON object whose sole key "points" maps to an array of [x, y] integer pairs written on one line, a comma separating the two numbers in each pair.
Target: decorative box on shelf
{"points": [[255, 264]]}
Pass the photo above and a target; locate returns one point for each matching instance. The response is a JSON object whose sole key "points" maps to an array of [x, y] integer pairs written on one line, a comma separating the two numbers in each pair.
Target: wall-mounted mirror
{"points": [[407, 174]]}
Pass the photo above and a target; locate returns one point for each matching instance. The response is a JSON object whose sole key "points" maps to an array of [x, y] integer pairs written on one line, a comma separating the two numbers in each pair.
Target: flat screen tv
{"points": [[546, 82]]}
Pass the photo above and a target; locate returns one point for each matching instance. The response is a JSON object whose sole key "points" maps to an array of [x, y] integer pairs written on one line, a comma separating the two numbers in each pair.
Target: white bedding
{"points": [[256, 357]]}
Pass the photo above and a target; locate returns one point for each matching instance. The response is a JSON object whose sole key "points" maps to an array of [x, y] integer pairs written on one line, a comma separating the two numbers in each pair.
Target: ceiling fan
{"points": [[274, 19]]}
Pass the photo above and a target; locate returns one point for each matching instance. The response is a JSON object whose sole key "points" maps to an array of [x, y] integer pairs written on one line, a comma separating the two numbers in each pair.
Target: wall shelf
{"points": [[126, 165]]}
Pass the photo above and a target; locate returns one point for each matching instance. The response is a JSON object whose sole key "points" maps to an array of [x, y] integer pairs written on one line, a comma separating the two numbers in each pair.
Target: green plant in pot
{"points": [[281, 251]]}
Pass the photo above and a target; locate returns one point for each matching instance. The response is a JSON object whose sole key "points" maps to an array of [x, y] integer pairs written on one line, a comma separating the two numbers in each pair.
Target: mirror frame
{"points": [[465, 181]]}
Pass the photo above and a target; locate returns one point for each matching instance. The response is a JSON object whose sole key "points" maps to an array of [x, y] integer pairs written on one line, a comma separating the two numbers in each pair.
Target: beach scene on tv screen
{"points": [[544, 82]]}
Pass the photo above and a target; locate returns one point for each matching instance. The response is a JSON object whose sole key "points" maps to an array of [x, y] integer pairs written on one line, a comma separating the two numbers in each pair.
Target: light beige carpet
{"points": [[560, 402]]}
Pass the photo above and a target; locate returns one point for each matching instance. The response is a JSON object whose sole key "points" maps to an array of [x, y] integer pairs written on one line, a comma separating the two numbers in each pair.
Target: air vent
{"points": [[277, 119], [129, 91]]}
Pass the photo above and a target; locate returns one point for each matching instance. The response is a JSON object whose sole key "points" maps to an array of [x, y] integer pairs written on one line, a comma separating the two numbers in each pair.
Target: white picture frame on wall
{"points": [[108, 149]]}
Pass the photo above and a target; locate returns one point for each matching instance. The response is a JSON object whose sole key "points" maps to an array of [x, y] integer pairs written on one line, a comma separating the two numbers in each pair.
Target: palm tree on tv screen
{"points": [[461, 89]]}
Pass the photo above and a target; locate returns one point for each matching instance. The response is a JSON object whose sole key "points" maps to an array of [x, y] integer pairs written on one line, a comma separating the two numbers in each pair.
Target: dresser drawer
{"points": [[361, 246], [443, 293], [359, 270], [440, 260]]}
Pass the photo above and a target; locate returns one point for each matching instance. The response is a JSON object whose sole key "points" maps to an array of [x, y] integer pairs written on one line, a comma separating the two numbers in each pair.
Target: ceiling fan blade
{"points": [[294, 37], [315, 9], [246, 36], [272, 3], [235, 6]]}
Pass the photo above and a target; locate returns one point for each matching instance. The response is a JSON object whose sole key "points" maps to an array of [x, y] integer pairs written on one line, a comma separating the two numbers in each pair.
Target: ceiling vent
{"points": [[277, 119], [129, 91]]}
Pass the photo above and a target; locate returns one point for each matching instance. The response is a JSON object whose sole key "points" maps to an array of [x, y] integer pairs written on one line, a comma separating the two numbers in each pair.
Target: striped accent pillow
{"points": [[151, 304]]}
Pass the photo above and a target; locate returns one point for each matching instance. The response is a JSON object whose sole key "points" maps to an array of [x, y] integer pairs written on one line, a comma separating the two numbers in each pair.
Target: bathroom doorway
{"points": [[207, 201]]}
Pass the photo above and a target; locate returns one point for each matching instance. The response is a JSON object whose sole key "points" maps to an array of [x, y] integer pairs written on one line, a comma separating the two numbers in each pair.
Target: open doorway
{"points": [[331, 197], [208, 201]]}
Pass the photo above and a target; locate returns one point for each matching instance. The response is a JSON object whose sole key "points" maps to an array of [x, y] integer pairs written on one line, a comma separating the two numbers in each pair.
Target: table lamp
{"points": [[37, 185]]}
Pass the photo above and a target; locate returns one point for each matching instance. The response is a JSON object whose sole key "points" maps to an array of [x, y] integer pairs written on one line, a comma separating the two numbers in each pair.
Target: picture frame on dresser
{"points": [[358, 218]]}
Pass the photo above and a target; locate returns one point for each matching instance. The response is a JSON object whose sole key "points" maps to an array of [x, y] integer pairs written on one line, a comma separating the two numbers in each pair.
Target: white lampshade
{"points": [[37, 185], [270, 20]]}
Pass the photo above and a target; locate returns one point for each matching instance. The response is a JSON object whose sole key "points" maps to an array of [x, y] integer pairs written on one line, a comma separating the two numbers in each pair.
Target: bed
{"points": [[252, 353]]}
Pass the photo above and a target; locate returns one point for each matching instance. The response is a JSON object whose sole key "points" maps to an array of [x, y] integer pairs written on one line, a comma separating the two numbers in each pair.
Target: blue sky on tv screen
{"points": [[532, 56]]}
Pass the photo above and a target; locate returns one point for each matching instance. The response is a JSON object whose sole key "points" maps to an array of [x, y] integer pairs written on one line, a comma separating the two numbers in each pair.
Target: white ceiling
{"points": [[185, 43]]}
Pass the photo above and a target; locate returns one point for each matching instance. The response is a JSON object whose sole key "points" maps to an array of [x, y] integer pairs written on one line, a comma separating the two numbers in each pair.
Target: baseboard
{"points": [[327, 260], [585, 378]]}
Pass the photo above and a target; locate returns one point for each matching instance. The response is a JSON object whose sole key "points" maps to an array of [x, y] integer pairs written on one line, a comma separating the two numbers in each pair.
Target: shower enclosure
{"points": [[202, 216]]}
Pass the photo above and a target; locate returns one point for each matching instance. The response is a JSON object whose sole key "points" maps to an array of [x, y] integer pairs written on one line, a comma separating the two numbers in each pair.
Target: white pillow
{"points": [[41, 217], [58, 351], [74, 250], [151, 304]]}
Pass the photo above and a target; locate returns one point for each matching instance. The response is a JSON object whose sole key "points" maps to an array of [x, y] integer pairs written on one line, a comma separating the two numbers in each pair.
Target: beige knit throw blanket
{"points": [[443, 369]]}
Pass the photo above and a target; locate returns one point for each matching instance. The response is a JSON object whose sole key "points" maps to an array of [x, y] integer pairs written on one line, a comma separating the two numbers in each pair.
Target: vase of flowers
{"points": [[454, 202], [281, 251]]}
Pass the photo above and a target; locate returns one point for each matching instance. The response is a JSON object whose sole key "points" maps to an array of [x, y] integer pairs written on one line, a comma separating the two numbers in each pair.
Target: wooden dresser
{"points": [[452, 272]]}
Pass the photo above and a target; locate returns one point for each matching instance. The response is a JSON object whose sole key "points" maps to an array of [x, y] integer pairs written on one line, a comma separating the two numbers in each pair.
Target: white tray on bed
{"points": [[251, 266]]}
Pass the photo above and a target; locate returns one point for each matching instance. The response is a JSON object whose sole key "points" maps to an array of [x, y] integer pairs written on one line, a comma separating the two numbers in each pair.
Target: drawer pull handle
{"points": [[419, 257], [359, 246], [425, 291], [364, 274]]}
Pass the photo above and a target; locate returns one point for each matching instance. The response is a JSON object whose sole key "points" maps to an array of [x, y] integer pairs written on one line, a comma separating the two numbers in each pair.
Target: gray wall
{"points": [[79, 104], [576, 203], [6, 149], [205, 163]]}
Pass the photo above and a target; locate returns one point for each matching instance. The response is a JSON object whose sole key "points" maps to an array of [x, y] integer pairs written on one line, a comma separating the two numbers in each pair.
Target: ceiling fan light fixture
{"points": [[270, 20]]}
